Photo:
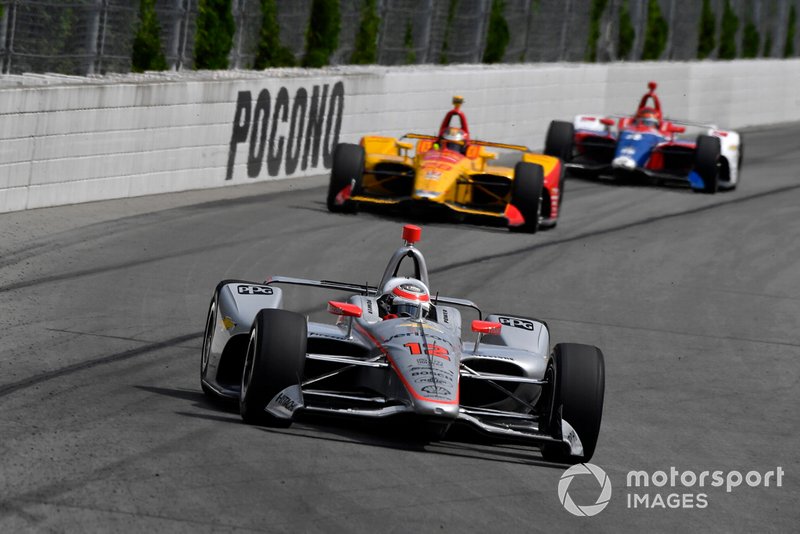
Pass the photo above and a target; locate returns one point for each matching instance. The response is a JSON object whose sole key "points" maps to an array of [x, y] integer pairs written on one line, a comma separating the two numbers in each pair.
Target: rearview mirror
{"points": [[424, 145], [473, 151], [674, 128], [343, 308], [486, 327], [607, 121]]}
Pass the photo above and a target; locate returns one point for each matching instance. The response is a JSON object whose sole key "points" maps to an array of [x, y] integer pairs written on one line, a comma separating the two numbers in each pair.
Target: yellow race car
{"points": [[450, 173]]}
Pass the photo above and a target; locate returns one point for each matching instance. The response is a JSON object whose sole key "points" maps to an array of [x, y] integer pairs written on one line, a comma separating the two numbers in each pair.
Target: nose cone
{"points": [[424, 193], [624, 162], [435, 409]]}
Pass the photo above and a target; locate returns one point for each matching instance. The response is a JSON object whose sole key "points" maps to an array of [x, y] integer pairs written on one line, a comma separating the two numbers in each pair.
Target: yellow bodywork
{"points": [[467, 183]]}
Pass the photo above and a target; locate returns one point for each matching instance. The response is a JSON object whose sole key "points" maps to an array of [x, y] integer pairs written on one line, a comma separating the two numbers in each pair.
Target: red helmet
{"points": [[647, 117]]}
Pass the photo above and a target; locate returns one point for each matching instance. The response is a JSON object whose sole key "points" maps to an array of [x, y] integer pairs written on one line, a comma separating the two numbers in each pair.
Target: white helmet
{"points": [[454, 134], [406, 297]]}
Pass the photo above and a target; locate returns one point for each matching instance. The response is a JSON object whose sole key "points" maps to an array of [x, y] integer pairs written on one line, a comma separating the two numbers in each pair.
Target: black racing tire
{"points": [[707, 162], [560, 140], [275, 360], [545, 405], [526, 195], [739, 163], [578, 394], [741, 151], [347, 169], [208, 334]]}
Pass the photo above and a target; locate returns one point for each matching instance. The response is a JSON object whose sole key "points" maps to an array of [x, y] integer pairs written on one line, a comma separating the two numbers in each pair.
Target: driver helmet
{"points": [[405, 297], [454, 139], [647, 117]]}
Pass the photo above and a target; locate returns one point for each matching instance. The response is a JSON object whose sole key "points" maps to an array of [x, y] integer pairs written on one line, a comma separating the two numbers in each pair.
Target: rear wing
{"points": [[679, 122], [364, 289], [682, 122], [591, 122], [490, 144]]}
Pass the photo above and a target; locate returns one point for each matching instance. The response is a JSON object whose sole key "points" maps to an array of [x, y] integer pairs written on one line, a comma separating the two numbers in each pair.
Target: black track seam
{"points": [[81, 366]]}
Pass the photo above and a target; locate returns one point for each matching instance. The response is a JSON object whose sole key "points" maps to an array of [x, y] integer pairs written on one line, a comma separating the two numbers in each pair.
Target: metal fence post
{"points": [[483, 31], [382, 10], [528, 22], [102, 38], [668, 53], [238, 16], [425, 31], [177, 42], [640, 24], [9, 28], [3, 36], [562, 49], [91, 37], [184, 34]]}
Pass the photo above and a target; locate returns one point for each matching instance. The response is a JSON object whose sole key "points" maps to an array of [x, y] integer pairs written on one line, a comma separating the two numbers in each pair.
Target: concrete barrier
{"points": [[66, 140]]}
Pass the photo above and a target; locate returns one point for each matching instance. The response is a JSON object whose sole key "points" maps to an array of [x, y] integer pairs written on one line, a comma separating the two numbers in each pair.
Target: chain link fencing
{"points": [[81, 37]]}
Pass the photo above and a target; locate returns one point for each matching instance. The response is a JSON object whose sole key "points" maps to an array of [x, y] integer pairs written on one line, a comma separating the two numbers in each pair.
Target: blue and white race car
{"points": [[647, 146]]}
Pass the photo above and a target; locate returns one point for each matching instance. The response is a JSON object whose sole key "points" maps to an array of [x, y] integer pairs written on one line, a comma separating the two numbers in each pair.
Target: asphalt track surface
{"points": [[694, 300]]}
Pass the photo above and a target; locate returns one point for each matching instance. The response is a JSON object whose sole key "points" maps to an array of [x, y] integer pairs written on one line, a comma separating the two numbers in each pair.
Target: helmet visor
{"points": [[405, 309]]}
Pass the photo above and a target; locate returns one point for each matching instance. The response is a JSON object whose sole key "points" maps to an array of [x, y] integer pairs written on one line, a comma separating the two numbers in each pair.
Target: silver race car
{"points": [[395, 350]]}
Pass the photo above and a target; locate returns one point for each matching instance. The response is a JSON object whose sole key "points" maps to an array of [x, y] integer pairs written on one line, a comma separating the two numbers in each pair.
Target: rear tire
{"points": [[579, 392], [526, 195], [706, 162], [560, 139], [275, 360], [347, 171]]}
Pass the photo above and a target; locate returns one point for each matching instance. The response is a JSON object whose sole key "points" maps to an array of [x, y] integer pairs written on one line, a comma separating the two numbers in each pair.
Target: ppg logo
{"points": [[516, 323], [254, 290]]}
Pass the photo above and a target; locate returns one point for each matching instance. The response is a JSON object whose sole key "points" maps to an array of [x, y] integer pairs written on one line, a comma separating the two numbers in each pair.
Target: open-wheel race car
{"points": [[397, 351], [648, 147], [449, 174]]}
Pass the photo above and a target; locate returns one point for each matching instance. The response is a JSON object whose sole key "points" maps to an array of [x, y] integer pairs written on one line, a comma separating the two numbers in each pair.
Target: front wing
{"points": [[426, 205], [603, 170], [295, 400]]}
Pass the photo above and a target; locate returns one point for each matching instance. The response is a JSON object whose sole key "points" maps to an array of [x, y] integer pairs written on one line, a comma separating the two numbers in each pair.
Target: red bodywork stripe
{"points": [[514, 216], [408, 386], [656, 161], [580, 137], [343, 195], [551, 183], [442, 155]]}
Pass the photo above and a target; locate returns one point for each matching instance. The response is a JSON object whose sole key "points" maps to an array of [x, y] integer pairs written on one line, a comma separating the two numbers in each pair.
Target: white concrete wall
{"points": [[66, 140]]}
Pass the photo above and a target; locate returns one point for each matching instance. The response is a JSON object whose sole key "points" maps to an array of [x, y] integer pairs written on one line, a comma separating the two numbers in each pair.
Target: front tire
{"points": [[346, 174], [707, 162], [578, 394], [739, 163], [208, 336], [526, 195], [560, 140], [275, 360]]}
